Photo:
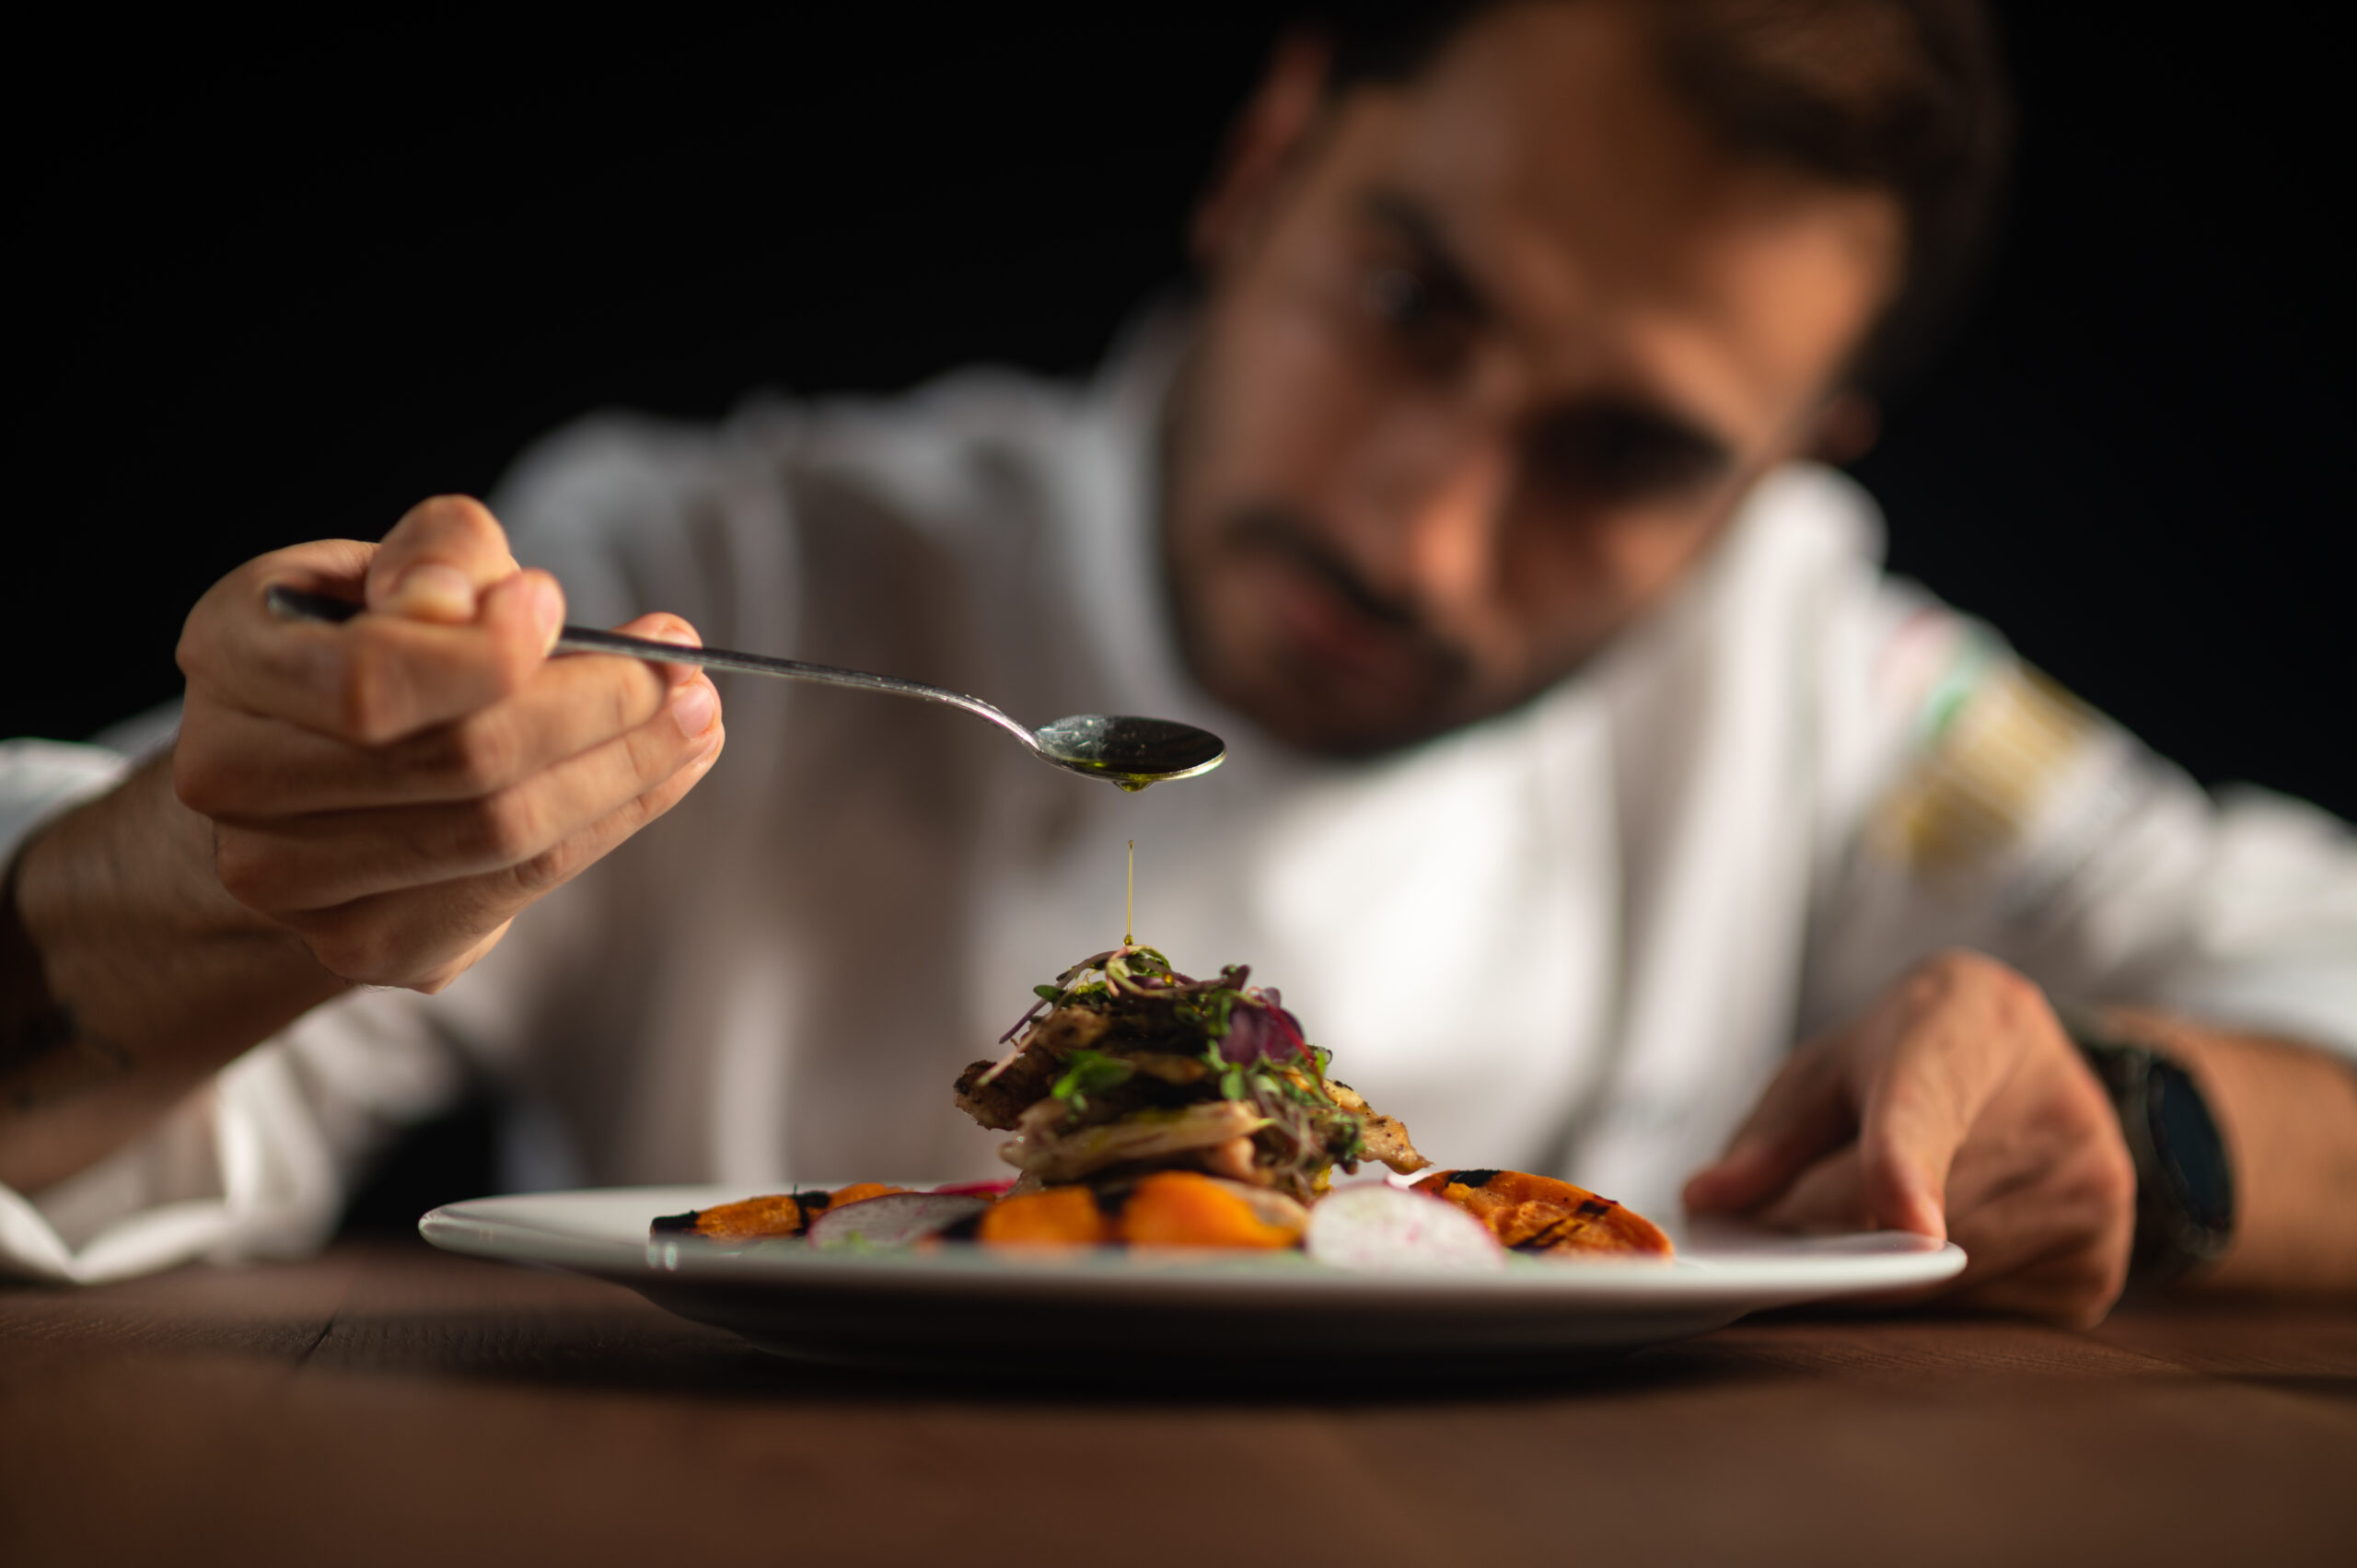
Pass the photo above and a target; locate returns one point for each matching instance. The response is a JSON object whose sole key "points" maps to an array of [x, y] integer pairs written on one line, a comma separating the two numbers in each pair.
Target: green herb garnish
{"points": [[1087, 1073]]}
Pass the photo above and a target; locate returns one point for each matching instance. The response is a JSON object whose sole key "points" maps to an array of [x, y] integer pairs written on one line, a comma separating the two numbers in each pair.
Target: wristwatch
{"points": [[2185, 1187]]}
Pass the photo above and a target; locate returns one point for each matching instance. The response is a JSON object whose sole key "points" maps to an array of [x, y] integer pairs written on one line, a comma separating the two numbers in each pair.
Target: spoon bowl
{"points": [[1130, 751]]}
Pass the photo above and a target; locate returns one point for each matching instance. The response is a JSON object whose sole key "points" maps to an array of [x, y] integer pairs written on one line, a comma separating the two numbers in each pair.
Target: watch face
{"points": [[2192, 1157]]}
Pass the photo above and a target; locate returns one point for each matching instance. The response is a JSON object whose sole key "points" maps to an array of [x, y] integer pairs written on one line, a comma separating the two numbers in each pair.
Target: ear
{"points": [[1844, 430], [1263, 139]]}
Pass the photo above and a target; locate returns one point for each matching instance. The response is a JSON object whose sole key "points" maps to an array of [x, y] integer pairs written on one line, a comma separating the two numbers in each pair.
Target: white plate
{"points": [[972, 1310]]}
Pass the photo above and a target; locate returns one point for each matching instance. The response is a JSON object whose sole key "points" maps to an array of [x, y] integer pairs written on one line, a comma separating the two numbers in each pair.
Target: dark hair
{"points": [[1906, 96]]}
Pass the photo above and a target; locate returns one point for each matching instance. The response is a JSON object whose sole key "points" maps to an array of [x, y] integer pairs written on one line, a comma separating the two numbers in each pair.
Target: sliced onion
{"points": [[1376, 1228], [895, 1219]]}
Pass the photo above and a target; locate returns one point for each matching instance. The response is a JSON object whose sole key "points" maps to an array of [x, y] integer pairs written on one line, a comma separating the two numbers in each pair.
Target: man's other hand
{"points": [[395, 789], [1955, 1107]]}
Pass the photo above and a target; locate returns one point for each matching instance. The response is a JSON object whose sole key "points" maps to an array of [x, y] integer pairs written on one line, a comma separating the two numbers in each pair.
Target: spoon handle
{"points": [[296, 604]]}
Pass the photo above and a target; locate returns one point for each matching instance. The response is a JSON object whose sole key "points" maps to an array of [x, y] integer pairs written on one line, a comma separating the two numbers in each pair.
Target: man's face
{"points": [[1487, 361]]}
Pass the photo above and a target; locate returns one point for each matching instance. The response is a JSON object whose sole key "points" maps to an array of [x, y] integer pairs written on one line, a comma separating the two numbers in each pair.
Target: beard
{"points": [[1280, 623], [1395, 681]]}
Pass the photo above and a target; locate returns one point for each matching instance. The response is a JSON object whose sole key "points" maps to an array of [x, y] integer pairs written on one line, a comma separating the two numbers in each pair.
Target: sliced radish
{"points": [[895, 1219], [975, 1188], [1376, 1228]]}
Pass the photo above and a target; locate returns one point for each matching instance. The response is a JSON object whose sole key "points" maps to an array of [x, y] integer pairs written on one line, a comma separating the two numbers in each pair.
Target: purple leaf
{"points": [[1261, 1033]]}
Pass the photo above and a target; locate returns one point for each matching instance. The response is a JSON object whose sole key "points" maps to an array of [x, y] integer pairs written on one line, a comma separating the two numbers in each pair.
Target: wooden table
{"points": [[386, 1403]]}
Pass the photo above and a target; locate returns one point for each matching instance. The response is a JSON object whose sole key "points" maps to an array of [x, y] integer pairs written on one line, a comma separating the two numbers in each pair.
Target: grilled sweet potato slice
{"points": [[758, 1219], [1179, 1208], [1539, 1213], [1058, 1216]]}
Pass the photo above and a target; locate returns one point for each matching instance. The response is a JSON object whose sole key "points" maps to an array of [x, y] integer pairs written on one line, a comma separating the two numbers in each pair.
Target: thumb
{"points": [[1806, 1112]]}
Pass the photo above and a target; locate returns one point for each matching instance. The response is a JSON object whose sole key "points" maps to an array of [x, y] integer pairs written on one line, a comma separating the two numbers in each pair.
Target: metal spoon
{"points": [[1117, 747]]}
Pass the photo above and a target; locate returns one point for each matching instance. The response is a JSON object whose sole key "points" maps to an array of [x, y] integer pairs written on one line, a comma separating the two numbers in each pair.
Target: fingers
{"points": [[2047, 1217], [1910, 1081], [2056, 1250], [2065, 1288], [423, 938], [1830, 1195], [330, 858], [662, 628], [243, 767], [1974, 1117], [375, 678], [437, 561], [2048, 1234], [1953, 1047], [1807, 1111], [395, 789]]}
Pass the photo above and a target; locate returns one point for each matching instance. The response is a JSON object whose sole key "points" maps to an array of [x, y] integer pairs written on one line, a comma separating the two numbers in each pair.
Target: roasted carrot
{"points": [[1059, 1216], [1179, 1208], [858, 1189]]}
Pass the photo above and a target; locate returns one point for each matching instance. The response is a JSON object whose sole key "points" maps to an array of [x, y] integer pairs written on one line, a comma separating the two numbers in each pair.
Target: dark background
{"points": [[267, 293]]}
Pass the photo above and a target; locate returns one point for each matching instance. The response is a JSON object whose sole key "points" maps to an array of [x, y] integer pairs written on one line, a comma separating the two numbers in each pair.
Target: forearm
{"points": [[127, 978], [2289, 1117]]}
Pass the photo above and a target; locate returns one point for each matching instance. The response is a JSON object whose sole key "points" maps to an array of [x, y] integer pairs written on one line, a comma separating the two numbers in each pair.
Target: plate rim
{"points": [[1786, 1270]]}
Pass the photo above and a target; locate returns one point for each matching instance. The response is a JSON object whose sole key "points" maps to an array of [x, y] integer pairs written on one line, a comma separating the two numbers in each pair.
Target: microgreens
{"points": [[1242, 1032], [1087, 1073]]}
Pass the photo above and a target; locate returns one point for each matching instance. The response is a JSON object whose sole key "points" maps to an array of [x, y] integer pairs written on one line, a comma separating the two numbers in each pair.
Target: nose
{"points": [[1435, 484]]}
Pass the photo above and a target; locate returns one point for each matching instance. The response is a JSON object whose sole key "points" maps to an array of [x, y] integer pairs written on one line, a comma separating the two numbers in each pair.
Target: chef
{"points": [[1592, 795]]}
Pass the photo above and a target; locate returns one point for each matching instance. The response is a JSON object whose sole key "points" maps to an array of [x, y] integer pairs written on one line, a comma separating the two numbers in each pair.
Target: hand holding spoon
{"points": [[1121, 749]]}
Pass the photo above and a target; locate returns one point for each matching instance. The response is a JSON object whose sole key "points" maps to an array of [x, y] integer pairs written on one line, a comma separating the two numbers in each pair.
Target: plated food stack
{"points": [[1125, 1066], [1151, 1110]]}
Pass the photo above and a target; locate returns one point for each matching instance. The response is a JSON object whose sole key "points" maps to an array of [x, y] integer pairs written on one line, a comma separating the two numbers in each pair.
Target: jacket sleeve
{"points": [[1986, 807], [255, 1162]]}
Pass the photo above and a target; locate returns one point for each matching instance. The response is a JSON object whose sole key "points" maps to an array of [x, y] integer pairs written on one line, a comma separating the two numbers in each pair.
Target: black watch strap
{"points": [[2185, 1188]]}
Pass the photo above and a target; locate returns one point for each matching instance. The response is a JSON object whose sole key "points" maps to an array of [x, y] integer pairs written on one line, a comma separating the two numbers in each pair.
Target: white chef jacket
{"points": [[1577, 938]]}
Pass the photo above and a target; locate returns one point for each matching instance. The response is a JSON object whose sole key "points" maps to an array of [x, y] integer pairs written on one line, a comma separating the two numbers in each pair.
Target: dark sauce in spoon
{"points": [[1129, 752]]}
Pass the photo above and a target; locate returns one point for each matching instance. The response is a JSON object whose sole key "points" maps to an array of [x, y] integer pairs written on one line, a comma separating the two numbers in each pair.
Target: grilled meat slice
{"points": [[996, 1093], [1383, 1138], [1232, 1159], [1179, 1072], [996, 1102], [1042, 1149], [1067, 1029]]}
